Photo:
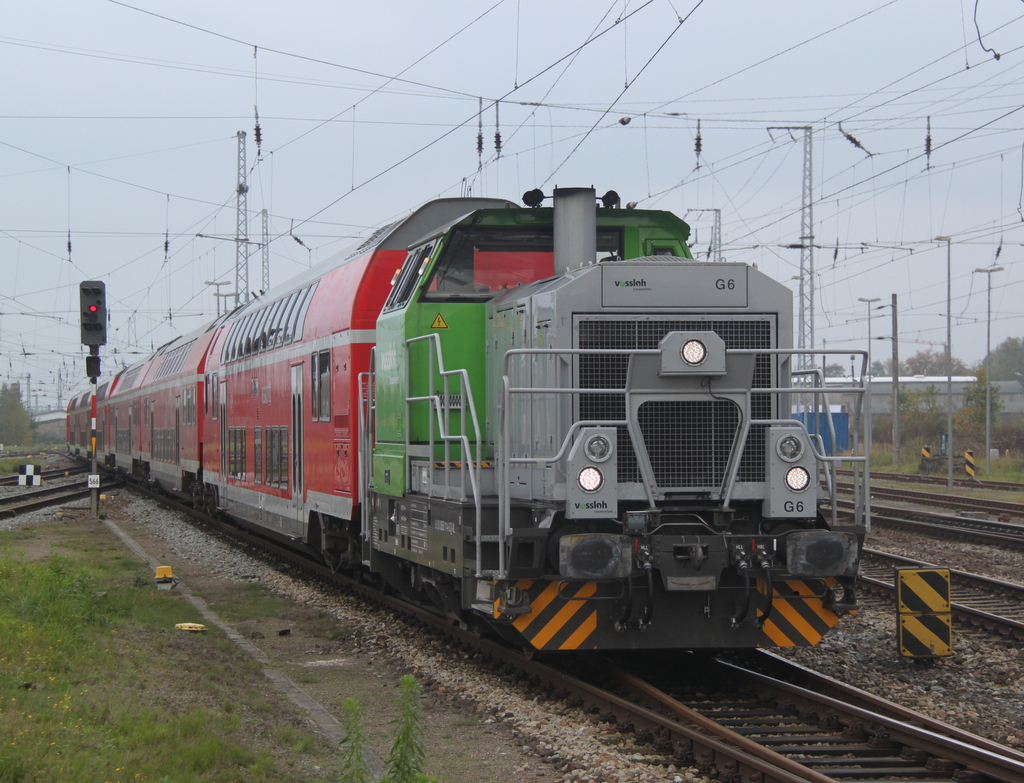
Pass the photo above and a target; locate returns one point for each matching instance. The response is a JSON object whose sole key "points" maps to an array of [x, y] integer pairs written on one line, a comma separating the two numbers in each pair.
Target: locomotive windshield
{"points": [[479, 261]]}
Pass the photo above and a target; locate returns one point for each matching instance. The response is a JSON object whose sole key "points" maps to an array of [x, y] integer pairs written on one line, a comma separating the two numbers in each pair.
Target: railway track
{"points": [[980, 601], [810, 726], [966, 483], [1004, 509], [46, 475], [981, 531], [32, 500], [763, 729]]}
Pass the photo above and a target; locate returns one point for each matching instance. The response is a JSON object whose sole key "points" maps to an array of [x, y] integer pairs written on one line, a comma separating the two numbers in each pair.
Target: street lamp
{"points": [[949, 358], [217, 293], [869, 302], [988, 369]]}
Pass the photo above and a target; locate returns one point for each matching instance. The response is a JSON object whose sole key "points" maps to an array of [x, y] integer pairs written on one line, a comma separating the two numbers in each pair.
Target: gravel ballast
{"points": [[979, 688]]}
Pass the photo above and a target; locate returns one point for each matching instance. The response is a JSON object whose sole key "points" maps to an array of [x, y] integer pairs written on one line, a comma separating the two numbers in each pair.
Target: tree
{"points": [[1008, 359], [835, 371], [930, 362], [15, 422], [970, 419]]}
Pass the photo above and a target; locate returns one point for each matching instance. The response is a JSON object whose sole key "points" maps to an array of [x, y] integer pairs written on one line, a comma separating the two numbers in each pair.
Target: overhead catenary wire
{"points": [[759, 219]]}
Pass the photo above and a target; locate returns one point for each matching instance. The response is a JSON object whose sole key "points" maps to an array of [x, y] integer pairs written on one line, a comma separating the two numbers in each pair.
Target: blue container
{"points": [[841, 423]]}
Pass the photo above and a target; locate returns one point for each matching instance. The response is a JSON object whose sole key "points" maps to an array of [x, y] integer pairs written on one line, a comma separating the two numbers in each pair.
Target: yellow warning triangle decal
{"points": [[439, 322]]}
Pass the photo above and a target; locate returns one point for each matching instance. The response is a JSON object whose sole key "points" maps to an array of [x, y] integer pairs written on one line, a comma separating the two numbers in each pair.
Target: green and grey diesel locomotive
{"points": [[577, 430]]}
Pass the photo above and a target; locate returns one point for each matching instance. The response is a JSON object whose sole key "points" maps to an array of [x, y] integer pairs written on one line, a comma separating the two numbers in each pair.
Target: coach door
{"points": [[177, 430], [296, 447]]}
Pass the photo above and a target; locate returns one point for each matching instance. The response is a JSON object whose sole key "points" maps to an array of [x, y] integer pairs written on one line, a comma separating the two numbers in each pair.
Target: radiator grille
{"points": [[689, 442], [680, 433]]}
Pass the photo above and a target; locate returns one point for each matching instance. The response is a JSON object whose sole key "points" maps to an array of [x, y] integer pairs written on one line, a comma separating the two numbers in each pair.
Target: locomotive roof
{"points": [[397, 235], [544, 216]]}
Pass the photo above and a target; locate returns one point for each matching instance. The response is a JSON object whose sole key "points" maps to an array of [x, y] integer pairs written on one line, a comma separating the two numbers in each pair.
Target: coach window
{"points": [[259, 332], [214, 395], [314, 386], [282, 440], [275, 330], [321, 402], [236, 349], [268, 338], [248, 328], [288, 312], [257, 454], [300, 312]]}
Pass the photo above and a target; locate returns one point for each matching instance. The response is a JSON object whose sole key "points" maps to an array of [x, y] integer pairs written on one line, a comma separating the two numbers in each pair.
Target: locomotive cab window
{"points": [[479, 261], [408, 276]]}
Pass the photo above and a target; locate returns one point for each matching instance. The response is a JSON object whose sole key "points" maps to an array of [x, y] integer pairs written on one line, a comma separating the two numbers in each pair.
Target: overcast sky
{"points": [[119, 119]]}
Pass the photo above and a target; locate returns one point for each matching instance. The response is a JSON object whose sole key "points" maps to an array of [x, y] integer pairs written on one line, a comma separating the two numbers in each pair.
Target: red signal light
{"points": [[93, 308]]}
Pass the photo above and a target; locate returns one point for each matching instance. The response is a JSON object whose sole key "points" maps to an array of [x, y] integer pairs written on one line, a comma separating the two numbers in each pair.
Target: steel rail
{"points": [[966, 483], [960, 604], [946, 525], [46, 475], [14, 505], [944, 500]]}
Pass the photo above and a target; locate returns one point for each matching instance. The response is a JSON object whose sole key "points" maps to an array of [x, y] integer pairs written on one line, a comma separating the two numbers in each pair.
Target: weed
{"points": [[354, 769], [405, 761]]}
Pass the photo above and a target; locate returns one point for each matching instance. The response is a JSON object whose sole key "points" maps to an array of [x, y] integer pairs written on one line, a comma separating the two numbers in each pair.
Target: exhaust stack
{"points": [[575, 227]]}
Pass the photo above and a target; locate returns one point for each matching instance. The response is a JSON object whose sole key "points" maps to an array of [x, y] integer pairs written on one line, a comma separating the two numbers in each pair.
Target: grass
{"points": [[1007, 467], [96, 685], [10, 465]]}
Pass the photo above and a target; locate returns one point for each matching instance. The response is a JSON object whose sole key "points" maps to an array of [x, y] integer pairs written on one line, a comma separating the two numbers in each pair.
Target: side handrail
{"points": [[441, 410], [367, 428]]}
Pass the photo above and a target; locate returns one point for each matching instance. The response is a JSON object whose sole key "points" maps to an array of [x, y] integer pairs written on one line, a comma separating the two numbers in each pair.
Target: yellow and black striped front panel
{"points": [[559, 619], [568, 615], [799, 617]]}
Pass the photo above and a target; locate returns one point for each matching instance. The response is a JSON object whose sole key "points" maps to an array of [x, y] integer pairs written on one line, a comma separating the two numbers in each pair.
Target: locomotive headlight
{"points": [[797, 478], [590, 479], [598, 448], [694, 352], [790, 448]]}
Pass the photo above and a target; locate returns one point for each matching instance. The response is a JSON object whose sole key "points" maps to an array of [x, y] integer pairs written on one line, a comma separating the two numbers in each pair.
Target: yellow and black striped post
{"points": [[924, 626], [969, 462], [926, 451]]}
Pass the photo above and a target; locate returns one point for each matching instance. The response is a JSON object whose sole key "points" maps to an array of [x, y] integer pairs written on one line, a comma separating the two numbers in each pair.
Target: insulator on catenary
{"points": [[928, 145], [497, 131], [257, 133], [698, 145], [854, 141]]}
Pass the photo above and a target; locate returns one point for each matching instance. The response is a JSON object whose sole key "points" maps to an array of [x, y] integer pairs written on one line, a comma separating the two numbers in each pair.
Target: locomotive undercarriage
{"points": [[687, 582]]}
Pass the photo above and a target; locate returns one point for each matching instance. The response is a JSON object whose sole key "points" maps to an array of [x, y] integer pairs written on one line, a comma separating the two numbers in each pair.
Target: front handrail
{"points": [[505, 459]]}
